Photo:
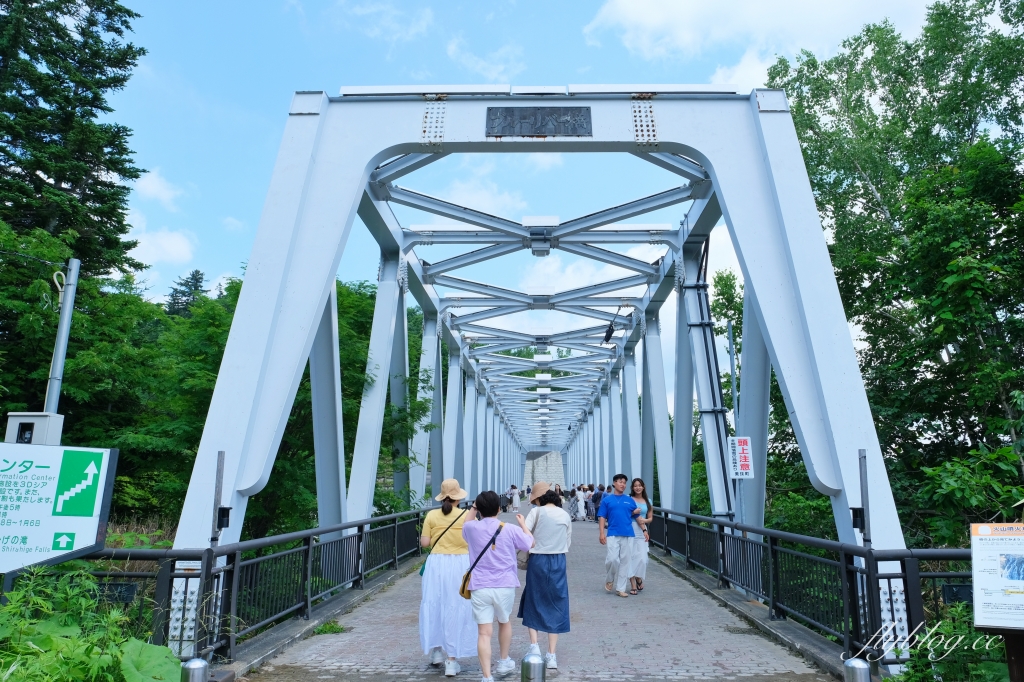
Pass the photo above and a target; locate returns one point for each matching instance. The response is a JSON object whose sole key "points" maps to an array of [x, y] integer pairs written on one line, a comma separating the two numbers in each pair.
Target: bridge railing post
{"points": [[307, 578], [236, 579], [774, 580], [394, 559], [722, 567], [664, 533], [360, 553]]}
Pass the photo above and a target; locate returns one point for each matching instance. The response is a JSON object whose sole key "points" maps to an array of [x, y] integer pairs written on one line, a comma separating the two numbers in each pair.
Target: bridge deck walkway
{"points": [[671, 631]]}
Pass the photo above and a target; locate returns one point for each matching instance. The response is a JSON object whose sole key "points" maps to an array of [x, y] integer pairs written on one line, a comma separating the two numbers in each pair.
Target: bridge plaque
{"points": [[539, 122]]}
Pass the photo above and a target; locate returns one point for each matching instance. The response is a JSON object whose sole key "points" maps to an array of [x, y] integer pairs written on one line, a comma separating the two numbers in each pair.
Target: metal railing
{"points": [[200, 602], [822, 583]]}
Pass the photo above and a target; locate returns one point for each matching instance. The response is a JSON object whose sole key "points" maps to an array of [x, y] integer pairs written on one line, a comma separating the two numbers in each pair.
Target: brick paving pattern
{"points": [[668, 632]]}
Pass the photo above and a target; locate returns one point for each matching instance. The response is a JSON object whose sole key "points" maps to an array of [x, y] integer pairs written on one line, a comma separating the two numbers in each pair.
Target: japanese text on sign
{"points": [[741, 464], [997, 566]]}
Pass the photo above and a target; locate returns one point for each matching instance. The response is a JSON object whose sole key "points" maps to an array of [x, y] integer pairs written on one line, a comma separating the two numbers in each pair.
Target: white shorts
{"points": [[493, 602]]}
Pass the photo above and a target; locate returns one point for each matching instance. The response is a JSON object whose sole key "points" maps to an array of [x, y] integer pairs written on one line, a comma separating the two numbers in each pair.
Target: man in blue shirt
{"points": [[616, 521]]}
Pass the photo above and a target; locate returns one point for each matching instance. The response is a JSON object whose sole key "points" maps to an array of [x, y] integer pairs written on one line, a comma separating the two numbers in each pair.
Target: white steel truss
{"points": [[737, 158]]}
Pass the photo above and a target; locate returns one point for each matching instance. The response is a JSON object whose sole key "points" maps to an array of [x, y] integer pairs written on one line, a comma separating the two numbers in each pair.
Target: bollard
{"points": [[533, 668], [854, 670], [195, 670]]}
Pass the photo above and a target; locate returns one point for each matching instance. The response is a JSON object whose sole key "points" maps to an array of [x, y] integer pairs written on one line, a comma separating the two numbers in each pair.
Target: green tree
{"points": [[913, 149], [186, 291], [61, 168]]}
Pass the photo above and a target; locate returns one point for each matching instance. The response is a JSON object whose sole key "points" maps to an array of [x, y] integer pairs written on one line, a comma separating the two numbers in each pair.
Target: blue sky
{"points": [[208, 105]]}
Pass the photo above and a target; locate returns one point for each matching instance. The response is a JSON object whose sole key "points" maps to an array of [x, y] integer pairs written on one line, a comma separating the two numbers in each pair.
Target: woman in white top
{"points": [[581, 504], [544, 605], [513, 494]]}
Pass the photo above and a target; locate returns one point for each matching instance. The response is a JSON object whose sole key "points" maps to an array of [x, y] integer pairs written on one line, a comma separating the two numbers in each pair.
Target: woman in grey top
{"points": [[544, 605]]}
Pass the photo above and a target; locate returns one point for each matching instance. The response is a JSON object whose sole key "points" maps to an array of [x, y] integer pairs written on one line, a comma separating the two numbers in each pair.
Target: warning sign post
{"points": [[54, 503]]}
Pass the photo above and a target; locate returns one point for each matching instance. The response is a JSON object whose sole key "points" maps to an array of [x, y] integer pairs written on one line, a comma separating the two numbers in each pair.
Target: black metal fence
{"points": [[823, 584], [205, 601]]}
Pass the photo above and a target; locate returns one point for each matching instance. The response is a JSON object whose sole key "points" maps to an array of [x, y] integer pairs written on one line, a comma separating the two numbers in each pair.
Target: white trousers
{"points": [[640, 550], [618, 562]]}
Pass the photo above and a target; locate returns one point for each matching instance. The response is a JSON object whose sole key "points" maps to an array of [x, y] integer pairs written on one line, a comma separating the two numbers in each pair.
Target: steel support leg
{"points": [[399, 383], [421, 452], [632, 436], [468, 436], [752, 420], [328, 428], [682, 438], [453, 416], [616, 435], [371, 410], [653, 358]]}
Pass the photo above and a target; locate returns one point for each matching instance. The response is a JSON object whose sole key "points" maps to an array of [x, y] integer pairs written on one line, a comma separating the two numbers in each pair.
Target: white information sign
{"points": [[54, 502], [740, 463], [997, 563]]}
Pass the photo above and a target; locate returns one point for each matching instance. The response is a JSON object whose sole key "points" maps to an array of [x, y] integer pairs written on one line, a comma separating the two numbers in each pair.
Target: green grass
{"points": [[331, 627]]}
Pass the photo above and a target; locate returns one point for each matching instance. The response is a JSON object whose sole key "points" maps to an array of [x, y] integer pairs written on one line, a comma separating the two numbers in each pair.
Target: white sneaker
{"points": [[437, 656], [451, 668], [486, 679], [534, 649], [551, 662], [504, 667]]}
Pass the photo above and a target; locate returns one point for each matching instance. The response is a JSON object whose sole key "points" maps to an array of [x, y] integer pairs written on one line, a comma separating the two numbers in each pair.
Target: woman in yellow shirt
{"points": [[447, 629]]}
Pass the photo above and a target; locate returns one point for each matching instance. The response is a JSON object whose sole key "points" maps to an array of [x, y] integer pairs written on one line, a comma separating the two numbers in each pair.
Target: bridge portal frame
{"points": [[332, 165]]}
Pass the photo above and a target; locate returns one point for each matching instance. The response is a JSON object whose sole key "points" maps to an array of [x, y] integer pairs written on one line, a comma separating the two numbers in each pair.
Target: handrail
{"points": [[249, 545]]}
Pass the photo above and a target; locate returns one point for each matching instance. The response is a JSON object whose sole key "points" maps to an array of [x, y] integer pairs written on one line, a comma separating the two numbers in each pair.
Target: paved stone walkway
{"points": [[669, 632]]}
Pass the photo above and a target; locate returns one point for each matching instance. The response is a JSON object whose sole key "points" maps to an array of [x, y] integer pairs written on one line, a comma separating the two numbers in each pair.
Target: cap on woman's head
{"points": [[450, 488]]}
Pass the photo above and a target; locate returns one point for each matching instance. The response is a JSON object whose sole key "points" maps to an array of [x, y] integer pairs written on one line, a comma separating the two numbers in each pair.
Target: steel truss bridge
{"points": [[737, 159]]}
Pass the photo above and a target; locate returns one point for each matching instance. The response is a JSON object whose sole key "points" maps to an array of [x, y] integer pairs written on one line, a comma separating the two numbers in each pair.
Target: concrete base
{"points": [[253, 653], [809, 644]]}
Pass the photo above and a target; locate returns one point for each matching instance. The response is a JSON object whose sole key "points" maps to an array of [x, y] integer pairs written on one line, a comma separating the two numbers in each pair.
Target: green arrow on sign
{"points": [[77, 483], [63, 541]]}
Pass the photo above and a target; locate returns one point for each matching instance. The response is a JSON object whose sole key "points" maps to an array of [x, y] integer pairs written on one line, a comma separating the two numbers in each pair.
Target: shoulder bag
{"points": [[523, 558], [431, 548], [464, 590]]}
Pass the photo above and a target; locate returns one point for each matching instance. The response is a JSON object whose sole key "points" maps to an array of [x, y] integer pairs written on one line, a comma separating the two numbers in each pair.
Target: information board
{"points": [[740, 463], [997, 563], [54, 502]]}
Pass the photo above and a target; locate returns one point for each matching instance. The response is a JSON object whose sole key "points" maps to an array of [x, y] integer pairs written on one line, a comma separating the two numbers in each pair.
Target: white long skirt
{"points": [[446, 619], [639, 552]]}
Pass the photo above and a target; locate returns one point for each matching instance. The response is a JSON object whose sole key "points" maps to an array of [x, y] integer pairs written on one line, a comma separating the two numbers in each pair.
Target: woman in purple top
{"points": [[494, 581]]}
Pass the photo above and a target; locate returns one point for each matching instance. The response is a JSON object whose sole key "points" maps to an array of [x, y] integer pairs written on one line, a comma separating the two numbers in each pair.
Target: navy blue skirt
{"points": [[544, 605]]}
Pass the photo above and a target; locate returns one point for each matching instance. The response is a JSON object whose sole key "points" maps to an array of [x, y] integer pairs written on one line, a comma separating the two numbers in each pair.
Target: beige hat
{"points": [[538, 490], [450, 488]]}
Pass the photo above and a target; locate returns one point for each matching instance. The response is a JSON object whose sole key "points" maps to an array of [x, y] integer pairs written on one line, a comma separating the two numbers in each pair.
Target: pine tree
{"points": [[61, 170], [186, 291]]}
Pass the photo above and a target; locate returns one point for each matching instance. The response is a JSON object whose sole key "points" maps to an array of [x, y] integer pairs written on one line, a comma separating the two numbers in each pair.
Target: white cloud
{"points": [[749, 73], [661, 29], [385, 21], [543, 161], [485, 195], [233, 224], [503, 64], [155, 186], [161, 246]]}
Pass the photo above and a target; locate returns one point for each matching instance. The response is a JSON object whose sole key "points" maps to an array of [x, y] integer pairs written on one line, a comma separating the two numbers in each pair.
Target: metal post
{"points": [[774, 581], [720, 534], [60, 348], [394, 561], [307, 578], [218, 488], [862, 456], [732, 368], [195, 670], [359, 555]]}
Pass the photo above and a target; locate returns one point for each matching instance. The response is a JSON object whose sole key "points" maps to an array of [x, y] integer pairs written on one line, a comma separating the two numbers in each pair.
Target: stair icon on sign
{"points": [[78, 483]]}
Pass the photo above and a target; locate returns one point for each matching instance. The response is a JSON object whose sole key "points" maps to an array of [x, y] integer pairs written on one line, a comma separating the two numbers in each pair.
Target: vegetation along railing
{"points": [[822, 583], [200, 602]]}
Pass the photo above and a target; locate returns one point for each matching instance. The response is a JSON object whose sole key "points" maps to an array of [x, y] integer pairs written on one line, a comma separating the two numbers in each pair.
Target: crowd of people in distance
{"points": [[470, 575]]}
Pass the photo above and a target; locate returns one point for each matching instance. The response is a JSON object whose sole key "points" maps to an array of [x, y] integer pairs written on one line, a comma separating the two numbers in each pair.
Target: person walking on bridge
{"points": [[615, 518], [446, 619], [493, 546], [641, 535], [544, 605]]}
